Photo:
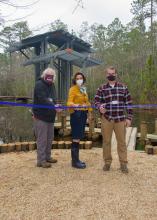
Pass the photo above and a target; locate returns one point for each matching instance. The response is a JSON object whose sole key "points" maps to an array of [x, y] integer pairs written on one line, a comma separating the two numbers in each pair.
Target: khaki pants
{"points": [[107, 128]]}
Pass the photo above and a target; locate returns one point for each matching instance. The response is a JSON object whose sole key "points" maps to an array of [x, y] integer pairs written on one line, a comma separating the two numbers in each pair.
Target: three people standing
{"points": [[113, 101]]}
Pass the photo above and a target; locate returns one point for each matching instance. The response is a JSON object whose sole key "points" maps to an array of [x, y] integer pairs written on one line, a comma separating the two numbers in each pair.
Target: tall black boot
{"points": [[78, 155], [75, 156]]}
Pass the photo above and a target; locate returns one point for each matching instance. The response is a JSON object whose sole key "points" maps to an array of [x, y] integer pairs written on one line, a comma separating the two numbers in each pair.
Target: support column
{"points": [[37, 51], [64, 79]]}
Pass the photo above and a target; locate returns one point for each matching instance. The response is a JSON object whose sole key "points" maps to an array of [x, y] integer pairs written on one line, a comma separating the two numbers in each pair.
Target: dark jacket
{"points": [[44, 94]]}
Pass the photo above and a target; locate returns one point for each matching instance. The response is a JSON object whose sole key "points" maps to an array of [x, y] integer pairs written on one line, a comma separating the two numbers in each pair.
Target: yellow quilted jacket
{"points": [[76, 97]]}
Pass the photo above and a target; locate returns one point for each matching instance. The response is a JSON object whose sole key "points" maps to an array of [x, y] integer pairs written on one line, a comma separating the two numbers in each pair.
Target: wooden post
{"points": [[37, 51], [88, 144], [156, 126], [147, 144], [82, 144], [35, 145], [4, 148], [147, 141], [64, 122], [54, 144], [155, 150], [91, 127], [31, 146], [18, 146], [68, 144], [61, 144], [58, 116], [99, 123], [95, 137], [64, 132], [11, 147], [96, 119], [144, 131], [149, 149], [24, 146]]}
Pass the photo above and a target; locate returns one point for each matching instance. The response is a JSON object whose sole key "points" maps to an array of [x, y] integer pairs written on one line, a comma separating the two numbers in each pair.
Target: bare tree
{"points": [[79, 4], [16, 5]]}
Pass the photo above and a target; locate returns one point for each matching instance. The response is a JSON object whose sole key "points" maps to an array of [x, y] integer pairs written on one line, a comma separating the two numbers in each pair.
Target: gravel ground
{"points": [[65, 193]]}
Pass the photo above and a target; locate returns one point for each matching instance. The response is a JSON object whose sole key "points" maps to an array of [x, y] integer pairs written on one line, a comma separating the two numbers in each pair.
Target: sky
{"points": [[94, 11]]}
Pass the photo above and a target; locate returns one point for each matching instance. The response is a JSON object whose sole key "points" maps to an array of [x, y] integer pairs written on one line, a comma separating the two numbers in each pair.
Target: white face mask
{"points": [[79, 82]]}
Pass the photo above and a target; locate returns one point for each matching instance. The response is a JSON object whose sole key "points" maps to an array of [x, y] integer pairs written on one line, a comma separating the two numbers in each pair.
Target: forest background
{"points": [[131, 48]]}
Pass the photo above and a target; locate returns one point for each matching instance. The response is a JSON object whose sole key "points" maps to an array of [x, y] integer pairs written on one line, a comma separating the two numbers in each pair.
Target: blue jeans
{"points": [[78, 123]]}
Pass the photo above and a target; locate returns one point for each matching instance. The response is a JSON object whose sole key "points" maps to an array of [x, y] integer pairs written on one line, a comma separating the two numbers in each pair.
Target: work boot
{"points": [[106, 167], [44, 165], [124, 168], [52, 160]]}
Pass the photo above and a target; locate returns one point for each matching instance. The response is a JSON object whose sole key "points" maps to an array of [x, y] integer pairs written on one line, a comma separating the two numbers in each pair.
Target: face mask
{"points": [[111, 78], [49, 79], [79, 82]]}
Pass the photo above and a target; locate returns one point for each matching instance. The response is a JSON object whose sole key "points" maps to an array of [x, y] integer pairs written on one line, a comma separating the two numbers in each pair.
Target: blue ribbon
{"points": [[72, 107]]}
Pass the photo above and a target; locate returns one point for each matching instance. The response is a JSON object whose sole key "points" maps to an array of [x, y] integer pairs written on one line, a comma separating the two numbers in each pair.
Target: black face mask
{"points": [[111, 78]]}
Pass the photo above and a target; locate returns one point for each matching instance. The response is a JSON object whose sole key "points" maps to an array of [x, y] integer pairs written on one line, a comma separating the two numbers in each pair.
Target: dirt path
{"points": [[65, 193]]}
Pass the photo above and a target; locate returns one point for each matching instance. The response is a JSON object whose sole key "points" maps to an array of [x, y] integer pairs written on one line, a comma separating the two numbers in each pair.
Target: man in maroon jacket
{"points": [[114, 103]]}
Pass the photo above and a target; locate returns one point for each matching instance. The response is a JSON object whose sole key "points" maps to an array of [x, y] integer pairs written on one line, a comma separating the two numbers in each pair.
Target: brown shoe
{"points": [[51, 160], [124, 168], [106, 167], [44, 165]]}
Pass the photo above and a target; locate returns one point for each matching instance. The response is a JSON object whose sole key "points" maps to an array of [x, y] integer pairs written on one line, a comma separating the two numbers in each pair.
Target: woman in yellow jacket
{"points": [[79, 108]]}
